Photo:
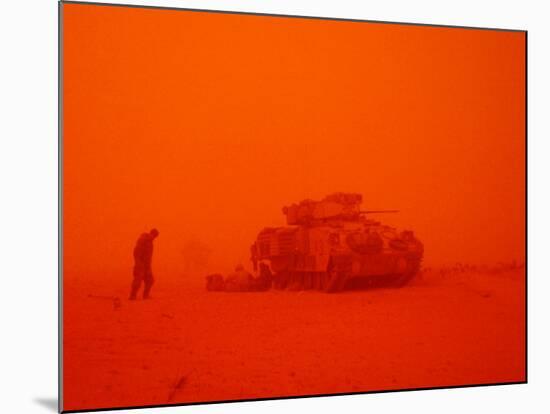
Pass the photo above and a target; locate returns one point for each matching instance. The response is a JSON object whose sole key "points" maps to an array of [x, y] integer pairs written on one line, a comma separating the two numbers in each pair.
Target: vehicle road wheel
{"points": [[334, 280], [296, 281], [308, 280], [317, 281], [412, 270], [280, 280]]}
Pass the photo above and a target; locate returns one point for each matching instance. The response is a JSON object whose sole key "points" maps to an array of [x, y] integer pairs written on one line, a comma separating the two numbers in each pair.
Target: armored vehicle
{"points": [[331, 245]]}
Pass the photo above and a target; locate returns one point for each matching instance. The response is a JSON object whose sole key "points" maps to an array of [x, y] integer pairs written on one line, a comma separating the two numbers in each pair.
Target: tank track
{"points": [[335, 280]]}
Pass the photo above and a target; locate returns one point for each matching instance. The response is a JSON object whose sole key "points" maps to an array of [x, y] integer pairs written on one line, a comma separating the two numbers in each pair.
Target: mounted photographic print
{"points": [[262, 206]]}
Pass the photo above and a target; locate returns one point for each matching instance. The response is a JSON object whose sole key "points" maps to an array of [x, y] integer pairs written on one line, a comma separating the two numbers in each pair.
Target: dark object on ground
{"points": [[116, 300], [215, 283], [177, 387], [240, 281], [263, 281]]}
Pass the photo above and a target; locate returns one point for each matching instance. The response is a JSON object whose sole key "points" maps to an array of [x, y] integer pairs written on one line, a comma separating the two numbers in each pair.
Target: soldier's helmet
{"points": [[154, 233]]}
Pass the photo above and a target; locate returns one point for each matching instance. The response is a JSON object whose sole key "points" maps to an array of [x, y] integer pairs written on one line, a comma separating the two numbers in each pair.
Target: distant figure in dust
{"points": [[143, 253]]}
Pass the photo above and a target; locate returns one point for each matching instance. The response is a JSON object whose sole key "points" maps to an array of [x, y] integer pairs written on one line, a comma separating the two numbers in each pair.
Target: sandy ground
{"points": [[189, 345]]}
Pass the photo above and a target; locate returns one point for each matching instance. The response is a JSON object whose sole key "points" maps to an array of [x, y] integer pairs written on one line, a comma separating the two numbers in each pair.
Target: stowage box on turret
{"points": [[330, 245]]}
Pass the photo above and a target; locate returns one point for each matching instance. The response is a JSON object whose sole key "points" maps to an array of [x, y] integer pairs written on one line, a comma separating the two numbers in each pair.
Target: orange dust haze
{"points": [[204, 125]]}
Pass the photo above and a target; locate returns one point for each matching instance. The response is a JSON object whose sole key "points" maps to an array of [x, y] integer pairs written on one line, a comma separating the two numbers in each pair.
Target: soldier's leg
{"points": [[149, 280], [136, 283]]}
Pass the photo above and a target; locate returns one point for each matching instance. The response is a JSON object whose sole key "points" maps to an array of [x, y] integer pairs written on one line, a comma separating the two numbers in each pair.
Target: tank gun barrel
{"points": [[378, 211]]}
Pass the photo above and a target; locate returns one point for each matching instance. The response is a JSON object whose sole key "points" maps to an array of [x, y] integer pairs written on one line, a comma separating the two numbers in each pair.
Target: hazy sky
{"points": [[204, 125]]}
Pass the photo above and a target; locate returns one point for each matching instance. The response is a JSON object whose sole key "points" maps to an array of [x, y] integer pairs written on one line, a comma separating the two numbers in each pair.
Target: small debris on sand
{"points": [[177, 387]]}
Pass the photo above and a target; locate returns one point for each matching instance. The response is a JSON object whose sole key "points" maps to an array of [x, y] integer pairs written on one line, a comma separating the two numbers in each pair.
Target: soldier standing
{"points": [[143, 253]]}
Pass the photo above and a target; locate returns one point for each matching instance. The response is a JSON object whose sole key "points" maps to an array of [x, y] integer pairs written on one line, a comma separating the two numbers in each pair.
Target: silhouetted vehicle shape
{"points": [[331, 245]]}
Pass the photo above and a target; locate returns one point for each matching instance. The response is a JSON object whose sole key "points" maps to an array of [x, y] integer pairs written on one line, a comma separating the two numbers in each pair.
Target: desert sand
{"points": [[187, 345]]}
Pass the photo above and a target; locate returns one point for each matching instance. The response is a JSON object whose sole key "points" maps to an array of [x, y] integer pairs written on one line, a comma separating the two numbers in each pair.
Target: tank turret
{"points": [[344, 206]]}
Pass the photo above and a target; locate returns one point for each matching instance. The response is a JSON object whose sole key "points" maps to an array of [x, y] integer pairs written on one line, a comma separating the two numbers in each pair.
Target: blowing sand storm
{"points": [[204, 125]]}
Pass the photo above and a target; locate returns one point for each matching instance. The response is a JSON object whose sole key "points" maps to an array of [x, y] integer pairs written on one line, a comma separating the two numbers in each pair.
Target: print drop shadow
{"points": [[49, 403]]}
